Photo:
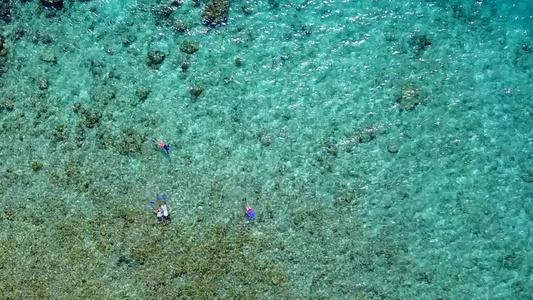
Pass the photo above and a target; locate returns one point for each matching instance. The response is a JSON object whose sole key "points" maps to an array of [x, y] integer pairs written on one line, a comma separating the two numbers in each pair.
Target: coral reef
{"points": [[418, 43], [163, 10], [43, 83], [184, 65], [409, 97], [524, 56], [247, 9], [60, 133], [155, 59], [53, 4], [76, 107], [143, 95], [266, 139], [180, 25], [103, 94], [35, 166], [49, 57], [128, 39], [367, 134], [393, 146], [209, 262], [7, 104], [5, 11], [217, 262], [91, 117], [216, 13], [3, 56], [196, 91], [130, 141], [189, 47]]}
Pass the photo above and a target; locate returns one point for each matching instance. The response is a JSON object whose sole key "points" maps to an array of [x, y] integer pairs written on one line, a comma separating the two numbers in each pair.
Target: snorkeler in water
{"points": [[249, 212], [162, 212], [159, 143]]}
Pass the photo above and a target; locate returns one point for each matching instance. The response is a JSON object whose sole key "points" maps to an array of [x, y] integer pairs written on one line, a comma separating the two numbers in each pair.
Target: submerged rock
{"points": [[367, 134], [49, 57], [19, 33], [53, 4], [91, 117], [266, 139], [523, 56], [3, 56], [155, 59], [103, 94], [60, 133], [143, 95], [176, 3], [189, 47], [7, 105], [196, 91], [247, 10], [76, 107], [184, 65], [216, 13], [41, 37], [128, 39], [130, 142], [5, 11], [393, 146], [180, 25], [163, 10], [527, 175], [409, 97], [43, 83], [419, 42]]}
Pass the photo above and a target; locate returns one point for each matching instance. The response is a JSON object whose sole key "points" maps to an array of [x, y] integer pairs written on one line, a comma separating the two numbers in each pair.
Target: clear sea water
{"points": [[385, 146]]}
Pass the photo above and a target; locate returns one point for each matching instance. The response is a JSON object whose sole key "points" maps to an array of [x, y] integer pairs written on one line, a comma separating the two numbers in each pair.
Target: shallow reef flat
{"points": [[385, 147]]}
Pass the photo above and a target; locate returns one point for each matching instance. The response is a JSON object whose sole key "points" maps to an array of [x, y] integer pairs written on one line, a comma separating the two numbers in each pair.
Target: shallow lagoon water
{"points": [[384, 145]]}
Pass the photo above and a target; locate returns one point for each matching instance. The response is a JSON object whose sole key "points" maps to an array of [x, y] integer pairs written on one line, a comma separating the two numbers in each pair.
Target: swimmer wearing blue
{"points": [[249, 212]]}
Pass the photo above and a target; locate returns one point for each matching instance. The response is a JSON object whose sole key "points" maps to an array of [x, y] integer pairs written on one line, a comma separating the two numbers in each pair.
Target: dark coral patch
{"points": [[5, 11], [216, 13], [53, 4]]}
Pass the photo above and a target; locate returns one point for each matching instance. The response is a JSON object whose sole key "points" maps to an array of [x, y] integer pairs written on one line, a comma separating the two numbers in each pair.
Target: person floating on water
{"points": [[159, 143], [249, 212], [162, 211]]}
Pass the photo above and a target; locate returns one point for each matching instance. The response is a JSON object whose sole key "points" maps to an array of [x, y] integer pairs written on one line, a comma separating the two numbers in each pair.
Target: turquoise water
{"points": [[384, 145]]}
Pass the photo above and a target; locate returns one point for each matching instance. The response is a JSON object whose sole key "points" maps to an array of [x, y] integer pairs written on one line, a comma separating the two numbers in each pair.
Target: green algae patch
{"points": [[68, 250], [35, 166], [211, 263]]}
